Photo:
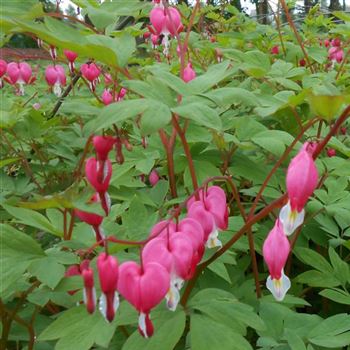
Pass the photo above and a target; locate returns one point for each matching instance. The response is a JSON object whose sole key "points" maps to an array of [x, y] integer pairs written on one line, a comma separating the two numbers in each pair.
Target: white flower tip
{"points": [[213, 240], [278, 288], [290, 220], [172, 298], [142, 324], [102, 306]]}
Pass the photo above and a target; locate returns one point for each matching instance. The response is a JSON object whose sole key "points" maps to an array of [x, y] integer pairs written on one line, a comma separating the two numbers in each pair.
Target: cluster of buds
{"points": [[169, 257], [336, 53], [109, 97], [301, 181], [165, 22]]}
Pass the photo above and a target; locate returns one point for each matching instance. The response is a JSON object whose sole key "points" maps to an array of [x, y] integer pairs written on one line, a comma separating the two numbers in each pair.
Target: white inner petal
{"points": [[278, 288], [290, 220], [57, 89], [173, 295], [213, 240], [142, 324]]}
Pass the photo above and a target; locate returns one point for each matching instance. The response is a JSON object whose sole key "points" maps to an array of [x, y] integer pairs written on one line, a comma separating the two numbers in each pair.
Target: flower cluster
{"points": [[301, 181], [168, 258]]}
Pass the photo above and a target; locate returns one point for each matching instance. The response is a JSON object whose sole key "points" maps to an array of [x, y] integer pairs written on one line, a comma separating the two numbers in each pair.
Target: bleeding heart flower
{"points": [[122, 94], [71, 57], [155, 40], [336, 54], [108, 271], [194, 231], [189, 73], [276, 250], [153, 177], [175, 253], [107, 97], [3, 69], [331, 152], [326, 43], [163, 229], [73, 270], [144, 288], [19, 73], [53, 52], [89, 292], [56, 77], [91, 72], [97, 176], [275, 50], [103, 145], [301, 181]]}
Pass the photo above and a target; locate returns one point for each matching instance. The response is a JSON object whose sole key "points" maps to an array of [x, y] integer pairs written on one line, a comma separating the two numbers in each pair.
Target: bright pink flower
{"points": [[91, 72], [89, 292], [97, 176], [301, 181], [122, 94], [155, 40], [70, 55], [331, 152], [326, 43], [56, 77], [153, 177], [19, 73], [194, 231], [189, 73], [166, 21], [163, 229], [108, 270], [144, 288], [276, 250], [107, 97], [336, 54], [275, 50], [175, 253], [336, 42], [103, 145], [3, 68]]}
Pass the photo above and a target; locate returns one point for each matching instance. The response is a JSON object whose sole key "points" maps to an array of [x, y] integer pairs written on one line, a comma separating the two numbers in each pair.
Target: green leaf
{"points": [[48, 271], [78, 330], [206, 334], [4, 162], [341, 268], [310, 257], [116, 113], [200, 114], [294, 341], [32, 218], [337, 295], [156, 117], [333, 332], [228, 96]]}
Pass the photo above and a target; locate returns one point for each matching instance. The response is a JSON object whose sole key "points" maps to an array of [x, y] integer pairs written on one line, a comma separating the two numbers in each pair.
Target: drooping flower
{"points": [[56, 77], [89, 292], [336, 54], [19, 73], [189, 73], [143, 287], [92, 219], [275, 50], [175, 253], [276, 249], [3, 69], [71, 57], [155, 40], [108, 271], [97, 176], [91, 72], [53, 52], [301, 181], [165, 22], [153, 177], [103, 145], [211, 212], [107, 97]]}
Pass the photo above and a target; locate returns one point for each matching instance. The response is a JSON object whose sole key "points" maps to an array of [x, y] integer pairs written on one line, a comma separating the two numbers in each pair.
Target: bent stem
{"points": [[187, 152]]}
